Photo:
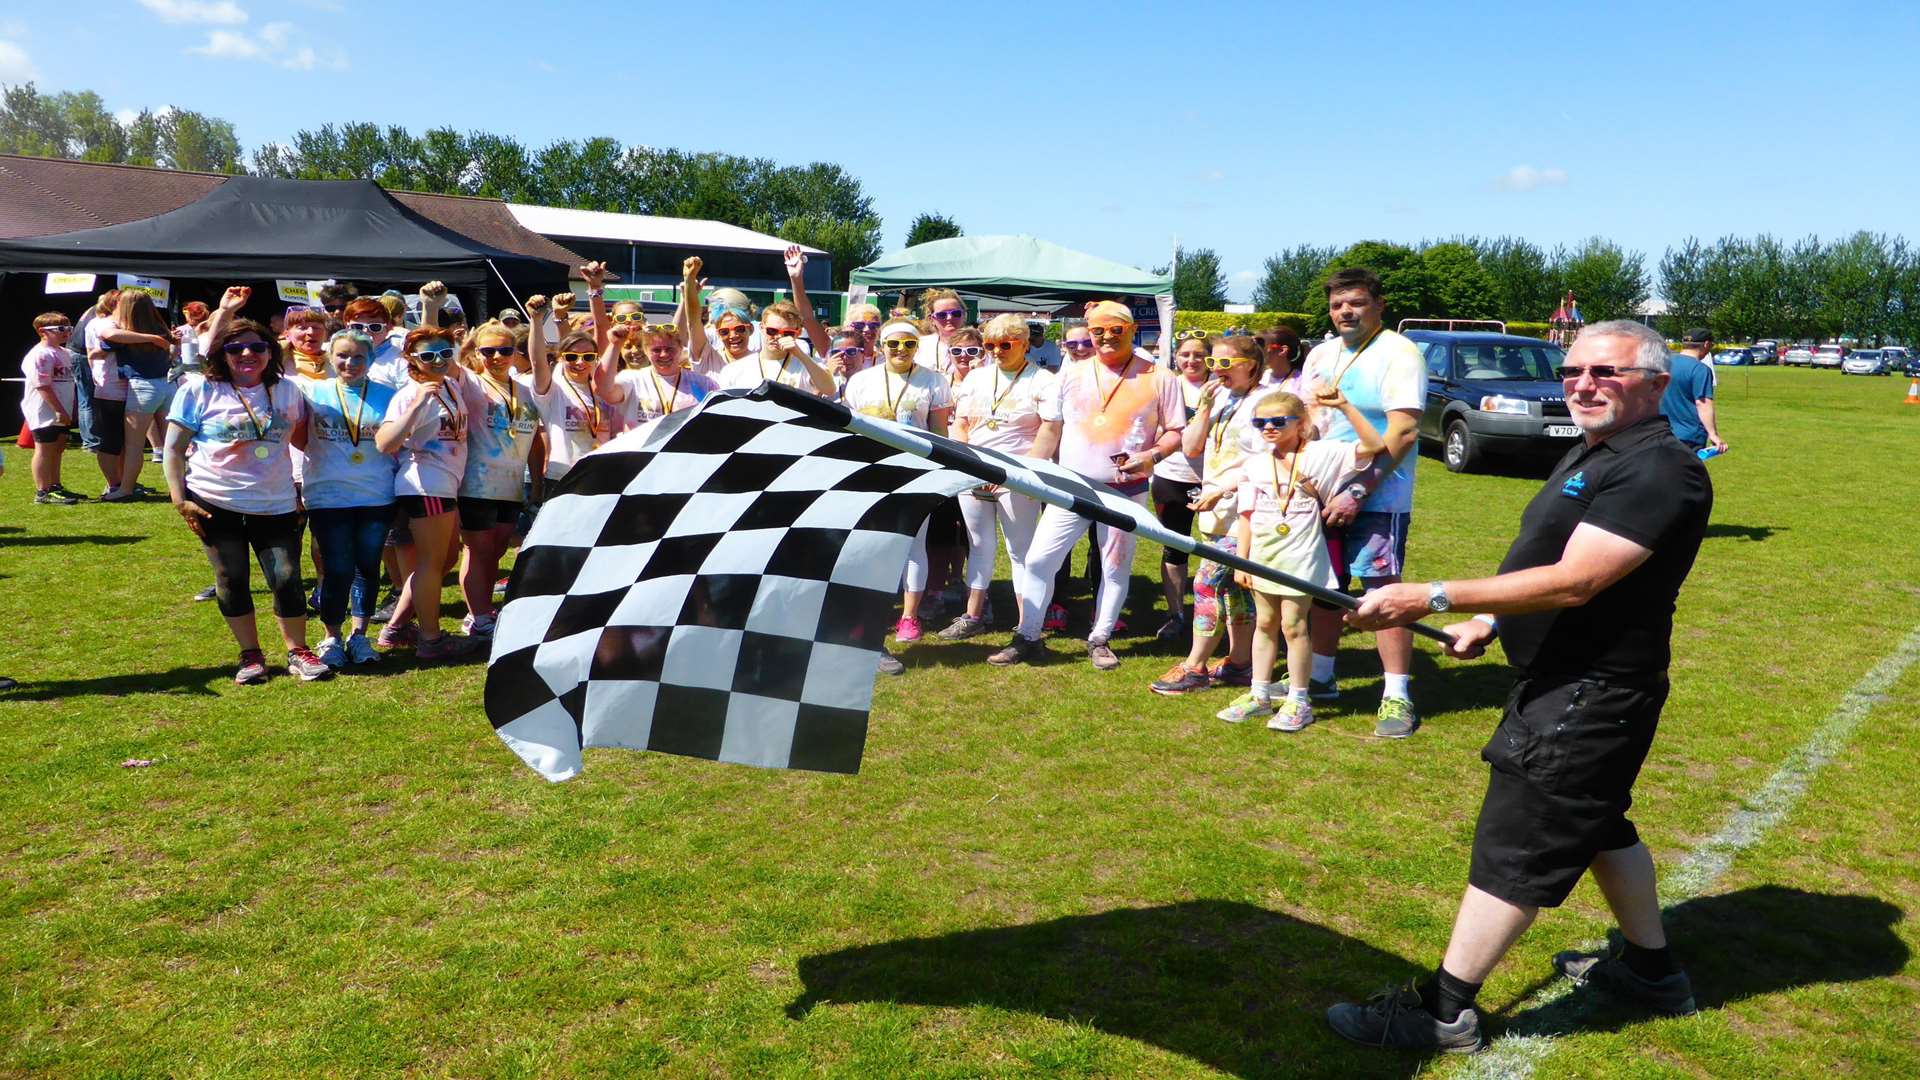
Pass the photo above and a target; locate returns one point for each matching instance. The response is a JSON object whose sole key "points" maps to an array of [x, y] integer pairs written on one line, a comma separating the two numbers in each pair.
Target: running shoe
{"points": [[302, 662], [907, 630], [478, 626], [253, 668], [7, 683], [500, 588], [141, 491], [444, 647], [333, 653], [1396, 719], [53, 497], [1323, 689], [1245, 707], [360, 650], [1226, 674], [205, 594], [399, 637], [1018, 651], [1290, 715], [1102, 656], [1056, 619], [112, 496], [1174, 629], [1180, 679], [962, 628], [889, 665], [69, 493], [1672, 995], [384, 613], [1395, 1019]]}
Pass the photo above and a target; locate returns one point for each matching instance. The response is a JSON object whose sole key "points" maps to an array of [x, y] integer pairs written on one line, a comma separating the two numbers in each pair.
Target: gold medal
{"points": [[993, 425], [263, 451], [357, 457], [1285, 529], [1100, 421]]}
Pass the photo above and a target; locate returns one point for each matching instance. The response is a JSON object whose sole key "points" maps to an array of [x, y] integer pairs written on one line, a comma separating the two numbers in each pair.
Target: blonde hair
{"points": [[934, 296], [1243, 347], [1280, 403], [785, 310], [1006, 327], [491, 328], [968, 332]]}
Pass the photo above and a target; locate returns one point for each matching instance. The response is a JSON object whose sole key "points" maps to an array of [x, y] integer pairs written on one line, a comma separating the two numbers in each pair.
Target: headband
{"points": [[899, 324], [1111, 310]]}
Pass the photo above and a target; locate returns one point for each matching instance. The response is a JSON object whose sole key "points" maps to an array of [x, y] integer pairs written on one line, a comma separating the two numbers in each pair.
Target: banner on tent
{"points": [[69, 283], [157, 287]]}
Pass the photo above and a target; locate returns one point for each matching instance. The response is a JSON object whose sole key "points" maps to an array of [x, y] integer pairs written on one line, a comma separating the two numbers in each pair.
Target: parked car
{"points": [[1897, 357], [1732, 357], [1492, 395], [1913, 366], [1766, 351], [1866, 362], [1798, 356], [1829, 356]]}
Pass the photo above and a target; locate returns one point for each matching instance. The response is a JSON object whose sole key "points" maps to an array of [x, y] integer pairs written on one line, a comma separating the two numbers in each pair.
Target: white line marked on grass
{"points": [[1515, 1055]]}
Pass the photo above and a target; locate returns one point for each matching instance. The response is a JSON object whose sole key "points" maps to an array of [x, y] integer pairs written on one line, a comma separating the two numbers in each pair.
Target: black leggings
{"points": [[1170, 506], [275, 540]]}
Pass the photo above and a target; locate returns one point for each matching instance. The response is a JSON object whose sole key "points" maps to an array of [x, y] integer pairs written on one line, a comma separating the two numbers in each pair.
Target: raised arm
{"points": [[537, 344], [796, 274], [134, 337], [433, 299], [687, 316], [595, 274], [607, 367], [232, 302], [1193, 438]]}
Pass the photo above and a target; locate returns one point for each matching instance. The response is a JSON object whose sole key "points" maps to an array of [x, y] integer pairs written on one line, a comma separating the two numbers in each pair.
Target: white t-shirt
{"points": [[1180, 468], [575, 420], [108, 383], [433, 458], [46, 367], [1005, 411], [233, 427], [1104, 413], [1288, 537], [907, 399], [1230, 438], [1389, 374], [331, 479], [749, 372], [651, 395], [499, 437], [388, 366]]}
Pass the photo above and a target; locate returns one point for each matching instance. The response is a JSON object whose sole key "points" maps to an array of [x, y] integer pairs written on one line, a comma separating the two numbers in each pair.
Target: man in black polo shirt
{"points": [[1584, 602]]}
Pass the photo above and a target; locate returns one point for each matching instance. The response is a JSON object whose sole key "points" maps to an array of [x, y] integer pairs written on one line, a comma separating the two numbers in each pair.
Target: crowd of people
{"points": [[402, 443]]}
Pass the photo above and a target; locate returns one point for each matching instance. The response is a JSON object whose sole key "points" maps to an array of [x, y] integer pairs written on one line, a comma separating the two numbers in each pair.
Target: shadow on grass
{"points": [[59, 541], [1230, 985], [1755, 533], [188, 680], [1748, 944]]}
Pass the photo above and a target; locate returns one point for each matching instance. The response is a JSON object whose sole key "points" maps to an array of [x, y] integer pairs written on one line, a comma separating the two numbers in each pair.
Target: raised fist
{"points": [[235, 298], [690, 269], [536, 306], [619, 331], [595, 274], [434, 293], [563, 302]]}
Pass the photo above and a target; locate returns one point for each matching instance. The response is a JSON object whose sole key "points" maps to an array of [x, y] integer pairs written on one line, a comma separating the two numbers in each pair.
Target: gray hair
{"points": [[1650, 348], [355, 336]]}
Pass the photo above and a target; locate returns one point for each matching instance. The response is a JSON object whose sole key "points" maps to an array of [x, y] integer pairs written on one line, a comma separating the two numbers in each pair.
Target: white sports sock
{"points": [[1322, 668], [1262, 691], [1298, 694], [1397, 687]]}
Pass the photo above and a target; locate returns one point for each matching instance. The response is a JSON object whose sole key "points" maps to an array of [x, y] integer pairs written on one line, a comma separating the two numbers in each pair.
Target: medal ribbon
{"points": [[259, 430], [993, 410], [589, 405], [893, 399], [1293, 474], [1342, 373], [660, 396], [511, 399], [1118, 383], [354, 425]]}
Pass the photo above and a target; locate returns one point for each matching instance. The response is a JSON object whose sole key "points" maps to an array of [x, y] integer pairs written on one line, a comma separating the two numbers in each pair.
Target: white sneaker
{"points": [[478, 626], [360, 650], [1291, 715], [332, 653]]}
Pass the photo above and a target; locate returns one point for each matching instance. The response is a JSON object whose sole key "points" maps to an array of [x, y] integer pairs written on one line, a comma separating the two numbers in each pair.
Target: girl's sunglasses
{"points": [[1190, 335], [971, 352], [865, 327], [902, 345], [780, 332], [837, 354], [1003, 346], [371, 329], [624, 317], [1271, 423], [1077, 344], [735, 331], [253, 348], [434, 357], [1222, 363], [491, 351], [577, 357], [949, 316]]}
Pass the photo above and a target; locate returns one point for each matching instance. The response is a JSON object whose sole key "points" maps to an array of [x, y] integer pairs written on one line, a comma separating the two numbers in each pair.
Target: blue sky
{"points": [[1112, 128]]}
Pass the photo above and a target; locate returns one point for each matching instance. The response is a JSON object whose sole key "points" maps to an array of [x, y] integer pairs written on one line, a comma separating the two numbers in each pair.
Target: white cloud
{"points": [[197, 12], [1528, 178], [15, 66], [1246, 275], [274, 45], [228, 45], [126, 116]]}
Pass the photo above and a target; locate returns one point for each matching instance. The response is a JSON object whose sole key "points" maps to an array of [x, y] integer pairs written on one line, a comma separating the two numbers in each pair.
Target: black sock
{"points": [[1446, 996], [1649, 964]]}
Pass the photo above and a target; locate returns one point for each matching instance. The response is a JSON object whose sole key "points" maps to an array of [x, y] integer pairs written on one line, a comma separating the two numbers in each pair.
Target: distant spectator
{"points": [[48, 404], [335, 296], [1688, 401]]}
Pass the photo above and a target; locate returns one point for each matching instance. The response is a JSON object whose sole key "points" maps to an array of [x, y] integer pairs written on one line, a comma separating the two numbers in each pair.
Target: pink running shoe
{"points": [[1056, 619], [907, 630]]}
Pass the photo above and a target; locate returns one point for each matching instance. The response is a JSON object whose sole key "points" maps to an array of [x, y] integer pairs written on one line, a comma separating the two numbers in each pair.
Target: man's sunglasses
{"points": [[236, 348], [1002, 346], [492, 351], [1572, 372], [577, 357], [779, 332], [836, 354], [902, 345], [434, 357], [1110, 331], [971, 352], [948, 316], [368, 328], [1269, 423], [1222, 363]]}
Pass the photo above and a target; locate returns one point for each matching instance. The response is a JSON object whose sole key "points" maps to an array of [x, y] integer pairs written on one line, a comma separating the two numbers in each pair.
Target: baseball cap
{"points": [[1696, 336], [510, 313]]}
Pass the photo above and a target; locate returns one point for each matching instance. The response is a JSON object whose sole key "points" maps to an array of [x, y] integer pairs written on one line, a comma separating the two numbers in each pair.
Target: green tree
{"points": [[1286, 277], [1198, 284], [1609, 282], [1404, 282], [1683, 282], [1524, 288], [1460, 287], [932, 226], [852, 243], [32, 124]]}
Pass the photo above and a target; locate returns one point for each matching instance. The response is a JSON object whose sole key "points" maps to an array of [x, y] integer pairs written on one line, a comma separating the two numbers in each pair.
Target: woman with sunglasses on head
{"points": [[1283, 359], [661, 386], [998, 408], [305, 334], [782, 357], [371, 318], [230, 477], [347, 486], [426, 428], [1174, 477], [501, 437], [1219, 434], [575, 415], [908, 393]]}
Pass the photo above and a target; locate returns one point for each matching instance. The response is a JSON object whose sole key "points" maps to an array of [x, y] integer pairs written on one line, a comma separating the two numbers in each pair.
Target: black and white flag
{"points": [[720, 585]]}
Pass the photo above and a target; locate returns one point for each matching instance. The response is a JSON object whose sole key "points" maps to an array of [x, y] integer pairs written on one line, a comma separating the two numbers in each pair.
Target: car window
{"points": [[1437, 359], [1509, 363]]}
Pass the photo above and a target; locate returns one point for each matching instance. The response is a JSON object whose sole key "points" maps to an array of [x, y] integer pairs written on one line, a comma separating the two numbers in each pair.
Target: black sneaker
{"points": [[1171, 631], [1323, 690], [54, 497], [1672, 996], [1018, 651], [1396, 1020], [384, 613], [890, 665], [205, 594]]}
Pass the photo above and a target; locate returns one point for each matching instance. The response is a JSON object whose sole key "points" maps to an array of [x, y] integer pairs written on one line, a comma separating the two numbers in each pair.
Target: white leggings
{"points": [[916, 577], [1016, 513], [1053, 539]]}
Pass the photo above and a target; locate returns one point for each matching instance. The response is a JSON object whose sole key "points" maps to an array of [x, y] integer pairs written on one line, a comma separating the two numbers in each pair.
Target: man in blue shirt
{"points": [[1688, 402]]}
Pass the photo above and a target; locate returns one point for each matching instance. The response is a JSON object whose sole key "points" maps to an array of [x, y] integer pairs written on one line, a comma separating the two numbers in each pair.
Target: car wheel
{"points": [[1462, 450]]}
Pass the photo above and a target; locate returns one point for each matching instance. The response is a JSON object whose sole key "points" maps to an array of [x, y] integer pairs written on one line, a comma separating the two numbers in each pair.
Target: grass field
{"points": [[1042, 871]]}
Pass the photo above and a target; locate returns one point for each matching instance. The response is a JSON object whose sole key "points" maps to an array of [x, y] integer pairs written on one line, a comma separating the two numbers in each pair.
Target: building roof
{"points": [[44, 196], [646, 229]]}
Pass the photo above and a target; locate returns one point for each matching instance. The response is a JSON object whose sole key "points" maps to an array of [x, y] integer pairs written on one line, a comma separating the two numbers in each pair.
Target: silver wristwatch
{"points": [[1437, 599]]}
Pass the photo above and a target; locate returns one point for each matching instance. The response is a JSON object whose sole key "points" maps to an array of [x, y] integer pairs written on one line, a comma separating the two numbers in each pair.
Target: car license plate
{"points": [[1562, 431]]}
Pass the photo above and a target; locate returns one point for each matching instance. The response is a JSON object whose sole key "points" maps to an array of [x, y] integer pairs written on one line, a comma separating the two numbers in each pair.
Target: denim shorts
{"points": [[1373, 545], [146, 396]]}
